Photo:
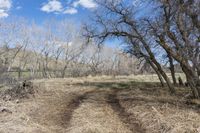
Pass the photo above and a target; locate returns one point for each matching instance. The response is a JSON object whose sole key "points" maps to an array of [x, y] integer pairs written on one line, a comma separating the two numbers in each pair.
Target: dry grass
{"points": [[82, 105], [42, 113], [159, 112], [96, 116]]}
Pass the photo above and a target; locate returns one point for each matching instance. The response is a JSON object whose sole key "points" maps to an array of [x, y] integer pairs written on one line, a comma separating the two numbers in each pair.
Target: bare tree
{"points": [[117, 20], [177, 32]]}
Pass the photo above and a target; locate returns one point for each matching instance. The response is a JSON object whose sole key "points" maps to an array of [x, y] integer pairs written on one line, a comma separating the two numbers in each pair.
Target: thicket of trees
{"points": [[166, 31], [169, 31], [55, 49]]}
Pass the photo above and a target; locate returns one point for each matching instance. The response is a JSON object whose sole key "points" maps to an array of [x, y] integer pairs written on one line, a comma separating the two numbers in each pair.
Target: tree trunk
{"points": [[164, 75], [172, 69], [158, 73], [180, 81], [63, 72], [198, 72], [169, 84], [161, 79], [193, 82], [153, 59], [192, 77], [19, 73]]}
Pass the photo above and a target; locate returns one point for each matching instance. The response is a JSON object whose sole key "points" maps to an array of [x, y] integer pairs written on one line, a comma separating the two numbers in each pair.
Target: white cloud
{"points": [[52, 6], [3, 13], [5, 6], [18, 7], [70, 11], [85, 3], [56, 6]]}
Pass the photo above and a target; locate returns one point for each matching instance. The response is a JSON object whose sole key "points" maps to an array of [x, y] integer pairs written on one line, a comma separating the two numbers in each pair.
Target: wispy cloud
{"points": [[52, 6], [85, 3], [5, 6], [18, 7], [70, 11], [3, 13]]}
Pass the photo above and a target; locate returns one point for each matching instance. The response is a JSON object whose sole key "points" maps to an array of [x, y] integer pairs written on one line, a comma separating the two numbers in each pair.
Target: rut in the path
{"points": [[67, 113], [100, 99], [55, 110], [127, 118], [72, 105]]}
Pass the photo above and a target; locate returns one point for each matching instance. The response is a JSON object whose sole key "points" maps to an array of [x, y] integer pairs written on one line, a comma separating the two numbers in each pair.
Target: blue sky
{"points": [[40, 10], [78, 11]]}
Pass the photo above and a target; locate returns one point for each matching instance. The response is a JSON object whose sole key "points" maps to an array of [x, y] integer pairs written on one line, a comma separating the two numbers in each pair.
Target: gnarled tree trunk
{"points": [[171, 67]]}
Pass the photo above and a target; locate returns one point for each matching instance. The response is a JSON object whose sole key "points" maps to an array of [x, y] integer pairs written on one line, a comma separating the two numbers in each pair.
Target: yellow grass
{"points": [[85, 105]]}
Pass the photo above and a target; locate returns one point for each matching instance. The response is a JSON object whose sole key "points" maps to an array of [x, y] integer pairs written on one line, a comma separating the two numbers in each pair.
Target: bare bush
{"points": [[19, 91]]}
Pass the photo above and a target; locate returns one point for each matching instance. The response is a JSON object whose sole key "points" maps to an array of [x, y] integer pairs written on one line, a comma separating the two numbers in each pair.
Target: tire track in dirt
{"points": [[91, 110], [55, 109], [67, 113], [130, 121], [72, 105], [104, 105], [94, 114]]}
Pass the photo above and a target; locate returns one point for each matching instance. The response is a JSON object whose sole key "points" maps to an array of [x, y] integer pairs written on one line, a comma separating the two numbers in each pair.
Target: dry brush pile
{"points": [[17, 91]]}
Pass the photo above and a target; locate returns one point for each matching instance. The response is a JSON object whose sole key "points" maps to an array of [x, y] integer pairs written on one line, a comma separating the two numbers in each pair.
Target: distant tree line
{"points": [[55, 49]]}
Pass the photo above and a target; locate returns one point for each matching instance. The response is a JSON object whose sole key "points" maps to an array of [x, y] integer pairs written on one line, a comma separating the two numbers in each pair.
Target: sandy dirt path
{"points": [[66, 108], [100, 112]]}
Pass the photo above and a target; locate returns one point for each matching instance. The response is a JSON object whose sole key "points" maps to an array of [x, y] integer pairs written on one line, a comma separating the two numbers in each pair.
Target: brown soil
{"points": [[132, 123]]}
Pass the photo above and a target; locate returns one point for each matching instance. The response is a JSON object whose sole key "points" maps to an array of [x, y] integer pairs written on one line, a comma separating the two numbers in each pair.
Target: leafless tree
{"points": [[117, 20], [177, 32]]}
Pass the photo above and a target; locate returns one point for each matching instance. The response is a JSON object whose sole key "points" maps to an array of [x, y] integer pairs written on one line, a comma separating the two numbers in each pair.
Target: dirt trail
{"points": [[86, 111], [55, 109], [131, 122], [100, 112], [98, 106], [72, 109]]}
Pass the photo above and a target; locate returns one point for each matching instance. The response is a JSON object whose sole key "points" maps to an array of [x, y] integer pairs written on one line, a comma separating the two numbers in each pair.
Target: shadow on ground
{"points": [[151, 92], [123, 85]]}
